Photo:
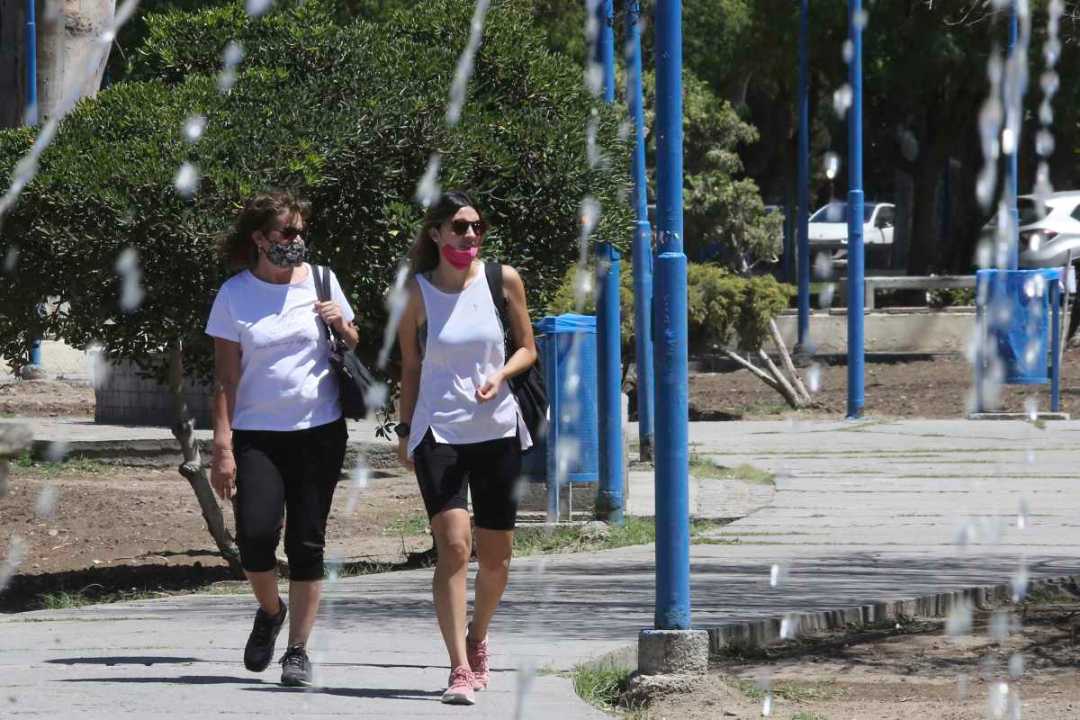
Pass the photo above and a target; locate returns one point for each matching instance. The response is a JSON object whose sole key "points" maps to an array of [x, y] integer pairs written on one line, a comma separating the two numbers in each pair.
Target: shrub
{"points": [[723, 308], [348, 117]]}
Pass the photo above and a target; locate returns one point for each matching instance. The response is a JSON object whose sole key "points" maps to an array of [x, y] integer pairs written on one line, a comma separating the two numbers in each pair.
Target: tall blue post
{"points": [[31, 64], [643, 259], [609, 497], [803, 178], [1013, 169], [670, 321], [855, 219], [32, 118]]}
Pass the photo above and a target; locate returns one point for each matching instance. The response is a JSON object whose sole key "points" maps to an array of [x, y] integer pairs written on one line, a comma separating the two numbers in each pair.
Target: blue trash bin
{"points": [[567, 348], [1015, 305]]}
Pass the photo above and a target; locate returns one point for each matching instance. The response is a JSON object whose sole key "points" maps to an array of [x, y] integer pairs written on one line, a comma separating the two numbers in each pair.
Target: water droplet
{"points": [[11, 258], [56, 451], [257, 8], [766, 705], [825, 297], [997, 700], [1044, 143], [16, 552], [842, 99], [428, 190], [131, 290], [107, 37], [45, 506], [1000, 626], [465, 64], [1031, 404], [789, 627], [376, 396], [1022, 515], [1016, 666], [962, 687], [194, 128], [823, 266], [813, 378], [1019, 583], [777, 574], [1029, 456], [862, 18], [187, 180], [959, 620], [1008, 141], [832, 165]]}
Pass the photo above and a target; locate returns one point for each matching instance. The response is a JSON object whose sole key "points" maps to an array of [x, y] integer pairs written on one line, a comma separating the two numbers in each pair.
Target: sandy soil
{"points": [[914, 674], [87, 523]]}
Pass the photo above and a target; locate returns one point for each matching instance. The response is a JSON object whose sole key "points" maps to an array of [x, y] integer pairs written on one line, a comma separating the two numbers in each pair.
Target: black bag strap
{"points": [[322, 291], [494, 273]]}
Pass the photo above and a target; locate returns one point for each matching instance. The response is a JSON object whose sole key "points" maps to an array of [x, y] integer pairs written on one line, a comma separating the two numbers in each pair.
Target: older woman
{"points": [[279, 435]]}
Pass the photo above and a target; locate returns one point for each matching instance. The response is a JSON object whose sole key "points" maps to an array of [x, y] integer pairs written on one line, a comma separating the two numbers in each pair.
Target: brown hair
{"points": [[424, 253], [236, 247]]}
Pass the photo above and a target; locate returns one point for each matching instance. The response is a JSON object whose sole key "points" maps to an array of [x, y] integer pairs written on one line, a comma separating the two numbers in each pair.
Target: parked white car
{"points": [[1046, 234], [829, 226]]}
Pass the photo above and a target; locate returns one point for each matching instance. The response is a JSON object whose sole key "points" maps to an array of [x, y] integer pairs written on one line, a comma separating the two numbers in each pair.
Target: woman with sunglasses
{"points": [[460, 427], [279, 435]]}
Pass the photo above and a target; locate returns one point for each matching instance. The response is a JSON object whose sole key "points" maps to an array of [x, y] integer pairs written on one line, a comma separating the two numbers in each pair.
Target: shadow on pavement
{"points": [[122, 660]]}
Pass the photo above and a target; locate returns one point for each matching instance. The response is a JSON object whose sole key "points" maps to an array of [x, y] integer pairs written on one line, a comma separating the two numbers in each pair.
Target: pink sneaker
{"points": [[477, 652], [461, 690]]}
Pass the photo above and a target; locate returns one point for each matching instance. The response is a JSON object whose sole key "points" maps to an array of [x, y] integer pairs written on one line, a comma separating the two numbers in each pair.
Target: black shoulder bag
{"points": [[528, 387], [354, 379]]}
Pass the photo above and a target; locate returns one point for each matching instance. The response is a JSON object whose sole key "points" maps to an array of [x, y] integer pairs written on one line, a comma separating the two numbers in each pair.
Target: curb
{"points": [[757, 633]]}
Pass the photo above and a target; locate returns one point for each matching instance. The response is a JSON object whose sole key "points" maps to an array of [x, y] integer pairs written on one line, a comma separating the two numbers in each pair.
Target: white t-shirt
{"points": [[286, 382]]}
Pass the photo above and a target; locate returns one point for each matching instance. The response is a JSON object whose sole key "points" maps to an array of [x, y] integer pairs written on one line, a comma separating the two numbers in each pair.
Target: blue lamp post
{"points": [[670, 322], [32, 118], [643, 281], [1013, 168], [855, 268], [609, 343], [803, 179]]}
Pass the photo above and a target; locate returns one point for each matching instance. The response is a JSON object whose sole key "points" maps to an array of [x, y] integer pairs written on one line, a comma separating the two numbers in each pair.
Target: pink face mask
{"points": [[460, 259]]}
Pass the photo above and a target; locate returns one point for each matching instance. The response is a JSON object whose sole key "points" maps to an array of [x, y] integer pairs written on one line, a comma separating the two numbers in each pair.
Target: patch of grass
{"points": [[579, 538], [92, 595], [51, 468], [792, 691], [601, 685], [703, 467], [415, 524]]}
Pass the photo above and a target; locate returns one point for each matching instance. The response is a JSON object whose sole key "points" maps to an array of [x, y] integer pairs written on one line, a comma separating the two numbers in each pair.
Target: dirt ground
{"points": [[928, 388], [914, 674], [89, 526], [49, 398]]}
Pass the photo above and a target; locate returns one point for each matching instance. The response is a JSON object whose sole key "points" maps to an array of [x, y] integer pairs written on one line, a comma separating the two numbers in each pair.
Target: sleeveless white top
{"points": [[464, 346]]}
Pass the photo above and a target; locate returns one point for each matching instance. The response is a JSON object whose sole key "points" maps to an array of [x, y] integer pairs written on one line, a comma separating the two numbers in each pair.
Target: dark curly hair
{"points": [[236, 248]]}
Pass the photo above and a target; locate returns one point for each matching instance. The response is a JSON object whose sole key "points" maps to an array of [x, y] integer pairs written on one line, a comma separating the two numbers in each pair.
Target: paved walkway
{"points": [[863, 512]]}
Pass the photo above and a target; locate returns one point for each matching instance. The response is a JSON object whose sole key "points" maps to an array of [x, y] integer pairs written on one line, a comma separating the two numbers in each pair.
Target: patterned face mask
{"points": [[288, 254]]}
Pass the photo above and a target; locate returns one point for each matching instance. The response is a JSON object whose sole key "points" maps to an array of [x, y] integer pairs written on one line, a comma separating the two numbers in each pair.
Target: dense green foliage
{"points": [[724, 309], [345, 114]]}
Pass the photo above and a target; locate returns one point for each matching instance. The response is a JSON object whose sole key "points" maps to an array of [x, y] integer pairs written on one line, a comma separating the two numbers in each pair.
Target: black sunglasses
{"points": [[460, 227], [289, 232]]}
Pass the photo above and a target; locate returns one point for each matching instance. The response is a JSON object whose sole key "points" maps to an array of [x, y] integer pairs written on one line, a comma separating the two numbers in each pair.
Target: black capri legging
{"points": [[291, 476]]}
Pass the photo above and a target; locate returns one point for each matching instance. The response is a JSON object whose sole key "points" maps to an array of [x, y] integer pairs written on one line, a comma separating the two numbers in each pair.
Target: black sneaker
{"points": [[296, 667], [260, 645]]}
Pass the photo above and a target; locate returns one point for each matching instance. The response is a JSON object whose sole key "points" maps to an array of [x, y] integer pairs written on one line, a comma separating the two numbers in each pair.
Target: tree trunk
{"points": [[192, 468], [69, 51], [779, 384], [789, 366]]}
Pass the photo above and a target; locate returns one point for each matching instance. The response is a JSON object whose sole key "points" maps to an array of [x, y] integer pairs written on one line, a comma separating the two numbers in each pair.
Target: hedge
{"points": [[345, 115]]}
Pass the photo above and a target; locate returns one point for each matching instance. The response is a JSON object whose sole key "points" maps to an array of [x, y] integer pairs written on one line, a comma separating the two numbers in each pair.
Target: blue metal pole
{"points": [[1013, 160], [670, 322], [1055, 345], [32, 117], [31, 64], [642, 251], [803, 177], [609, 498], [855, 219]]}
